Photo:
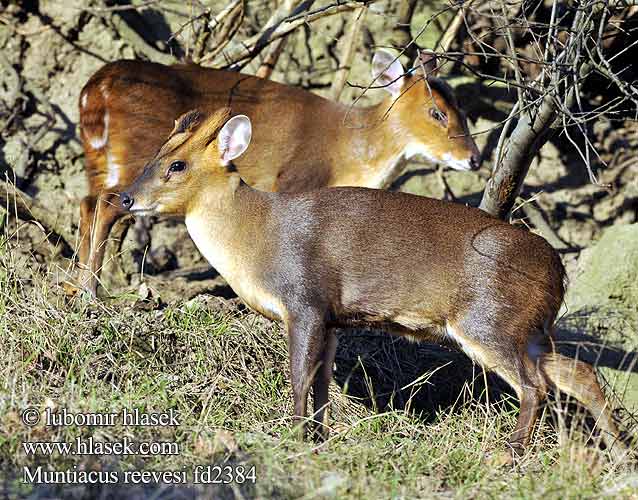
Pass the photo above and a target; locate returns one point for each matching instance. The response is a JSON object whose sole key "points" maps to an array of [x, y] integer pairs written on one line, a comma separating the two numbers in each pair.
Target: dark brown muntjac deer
{"points": [[417, 267], [303, 142]]}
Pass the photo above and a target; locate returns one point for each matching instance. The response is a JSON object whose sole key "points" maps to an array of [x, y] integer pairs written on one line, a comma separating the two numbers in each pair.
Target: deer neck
{"points": [[229, 229], [373, 146], [225, 222]]}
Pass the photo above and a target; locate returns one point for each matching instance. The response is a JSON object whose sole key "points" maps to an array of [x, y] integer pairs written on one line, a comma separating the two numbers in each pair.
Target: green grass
{"points": [[225, 371]]}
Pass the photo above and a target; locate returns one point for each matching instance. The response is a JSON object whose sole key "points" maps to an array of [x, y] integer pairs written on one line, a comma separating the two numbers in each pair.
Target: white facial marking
{"points": [[456, 164], [100, 142], [84, 98], [386, 175], [448, 160], [411, 150], [416, 149], [113, 171]]}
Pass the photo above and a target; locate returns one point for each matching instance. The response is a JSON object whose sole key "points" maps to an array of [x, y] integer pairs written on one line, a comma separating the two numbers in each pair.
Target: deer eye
{"points": [[439, 116], [176, 166]]}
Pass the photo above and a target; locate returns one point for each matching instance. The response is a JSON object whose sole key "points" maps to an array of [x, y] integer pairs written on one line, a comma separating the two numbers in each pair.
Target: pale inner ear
{"points": [[390, 71], [234, 138]]}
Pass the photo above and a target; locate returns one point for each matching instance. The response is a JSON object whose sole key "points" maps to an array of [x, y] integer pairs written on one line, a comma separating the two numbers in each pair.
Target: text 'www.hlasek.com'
{"points": [[124, 447]]}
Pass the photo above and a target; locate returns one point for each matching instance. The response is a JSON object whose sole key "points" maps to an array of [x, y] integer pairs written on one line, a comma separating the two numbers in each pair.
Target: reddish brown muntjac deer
{"points": [[303, 142], [417, 267]]}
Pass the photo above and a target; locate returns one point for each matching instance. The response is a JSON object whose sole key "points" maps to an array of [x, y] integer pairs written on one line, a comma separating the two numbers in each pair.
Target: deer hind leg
{"points": [[578, 380], [515, 368], [321, 385], [533, 390], [97, 216], [307, 347]]}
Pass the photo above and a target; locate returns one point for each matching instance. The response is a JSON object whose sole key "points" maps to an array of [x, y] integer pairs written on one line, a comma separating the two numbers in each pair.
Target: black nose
{"points": [[475, 161], [126, 200]]}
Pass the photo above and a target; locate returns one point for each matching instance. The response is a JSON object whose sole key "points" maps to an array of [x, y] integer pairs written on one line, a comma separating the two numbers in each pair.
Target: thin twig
{"points": [[401, 34]]}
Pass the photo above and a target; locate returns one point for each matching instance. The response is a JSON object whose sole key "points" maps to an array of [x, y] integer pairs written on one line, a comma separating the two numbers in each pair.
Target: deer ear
{"points": [[389, 70], [427, 59], [234, 138]]}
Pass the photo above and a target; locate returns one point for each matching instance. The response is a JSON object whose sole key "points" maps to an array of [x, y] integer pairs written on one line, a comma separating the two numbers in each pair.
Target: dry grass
{"points": [[224, 370]]}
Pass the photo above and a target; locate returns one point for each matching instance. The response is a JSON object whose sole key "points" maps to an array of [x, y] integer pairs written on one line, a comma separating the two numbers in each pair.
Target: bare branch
{"points": [[349, 42], [249, 48], [534, 125], [139, 44], [535, 216], [118, 8], [272, 56], [512, 50], [230, 19], [453, 28], [270, 60]]}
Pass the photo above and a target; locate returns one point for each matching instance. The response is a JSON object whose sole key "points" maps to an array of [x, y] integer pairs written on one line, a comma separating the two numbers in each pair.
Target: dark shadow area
{"points": [[388, 373], [223, 291], [151, 25], [385, 372], [595, 350], [185, 283], [200, 274]]}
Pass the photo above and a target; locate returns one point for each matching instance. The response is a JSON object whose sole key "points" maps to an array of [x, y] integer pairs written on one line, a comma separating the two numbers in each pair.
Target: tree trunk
{"points": [[534, 125], [530, 134]]}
